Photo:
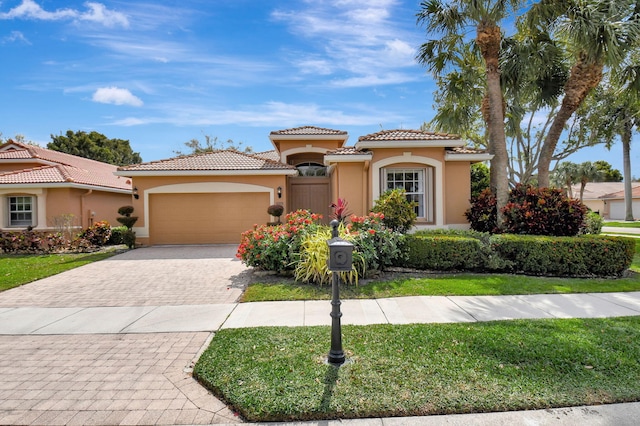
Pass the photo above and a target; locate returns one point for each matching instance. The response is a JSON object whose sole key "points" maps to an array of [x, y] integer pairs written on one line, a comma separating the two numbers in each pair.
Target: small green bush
{"points": [[129, 238], [443, 252], [399, 213], [592, 223], [117, 235]]}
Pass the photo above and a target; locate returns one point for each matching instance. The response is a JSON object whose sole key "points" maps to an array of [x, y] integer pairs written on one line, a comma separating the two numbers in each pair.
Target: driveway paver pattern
{"points": [[109, 379]]}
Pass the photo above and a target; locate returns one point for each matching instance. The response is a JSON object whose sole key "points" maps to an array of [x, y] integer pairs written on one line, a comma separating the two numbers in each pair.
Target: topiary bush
{"points": [[126, 219], [398, 212]]}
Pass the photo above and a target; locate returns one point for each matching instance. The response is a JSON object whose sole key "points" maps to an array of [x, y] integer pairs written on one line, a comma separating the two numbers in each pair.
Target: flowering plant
{"points": [[340, 212]]}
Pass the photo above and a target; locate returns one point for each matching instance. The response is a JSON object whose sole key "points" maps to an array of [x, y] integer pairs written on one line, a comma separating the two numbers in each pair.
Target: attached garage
{"points": [[205, 218], [207, 198]]}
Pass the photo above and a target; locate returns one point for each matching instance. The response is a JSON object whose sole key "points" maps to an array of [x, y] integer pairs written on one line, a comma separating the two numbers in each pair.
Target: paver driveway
{"points": [[118, 378]]}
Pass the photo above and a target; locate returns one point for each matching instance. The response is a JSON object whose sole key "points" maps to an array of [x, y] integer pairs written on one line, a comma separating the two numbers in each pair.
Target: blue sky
{"points": [[160, 73]]}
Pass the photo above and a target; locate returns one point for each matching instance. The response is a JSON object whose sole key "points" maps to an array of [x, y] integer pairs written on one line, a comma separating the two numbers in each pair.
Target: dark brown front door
{"points": [[311, 193]]}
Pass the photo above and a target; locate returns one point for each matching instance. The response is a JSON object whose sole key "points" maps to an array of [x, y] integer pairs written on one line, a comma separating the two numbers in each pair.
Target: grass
{"points": [[635, 224], [17, 270], [279, 374], [448, 285]]}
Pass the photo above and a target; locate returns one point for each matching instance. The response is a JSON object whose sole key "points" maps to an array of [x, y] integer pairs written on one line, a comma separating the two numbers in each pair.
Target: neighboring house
{"points": [[607, 198], [614, 204], [214, 197], [40, 187]]}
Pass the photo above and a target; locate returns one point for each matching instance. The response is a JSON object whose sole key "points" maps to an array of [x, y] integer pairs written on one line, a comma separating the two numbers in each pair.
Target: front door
{"points": [[311, 193]]}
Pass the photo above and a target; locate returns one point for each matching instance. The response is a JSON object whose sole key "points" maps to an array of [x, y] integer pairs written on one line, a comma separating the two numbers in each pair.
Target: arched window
{"points": [[311, 169]]}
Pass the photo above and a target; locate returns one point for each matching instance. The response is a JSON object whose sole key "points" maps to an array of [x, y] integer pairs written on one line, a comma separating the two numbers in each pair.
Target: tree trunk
{"points": [[626, 167], [488, 39], [582, 79]]}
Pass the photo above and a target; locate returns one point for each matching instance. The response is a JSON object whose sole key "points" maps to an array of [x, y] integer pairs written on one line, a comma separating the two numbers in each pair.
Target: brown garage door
{"points": [[217, 218]]}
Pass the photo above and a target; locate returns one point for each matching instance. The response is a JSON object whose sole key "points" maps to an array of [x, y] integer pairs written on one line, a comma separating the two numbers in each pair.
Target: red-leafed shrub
{"points": [[542, 211], [30, 241], [98, 234], [530, 210]]}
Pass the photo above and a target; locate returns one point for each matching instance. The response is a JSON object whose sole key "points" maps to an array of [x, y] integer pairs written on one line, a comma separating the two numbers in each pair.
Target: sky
{"points": [[160, 73]]}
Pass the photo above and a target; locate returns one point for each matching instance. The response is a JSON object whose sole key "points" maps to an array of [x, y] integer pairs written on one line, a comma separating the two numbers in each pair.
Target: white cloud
{"points": [[96, 12], [15, 36], [116, 96]]}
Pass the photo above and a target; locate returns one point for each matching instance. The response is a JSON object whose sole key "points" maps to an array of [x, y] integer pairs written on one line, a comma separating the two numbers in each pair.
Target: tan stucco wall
{"points": [[350, 182], [457, 189], [307, 145], [52, 203]]}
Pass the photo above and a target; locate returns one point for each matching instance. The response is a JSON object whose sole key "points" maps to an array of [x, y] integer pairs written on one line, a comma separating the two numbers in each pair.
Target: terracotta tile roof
{"points": [[407, 135], [635, 193], [211, 161], [466, 150], [349, 150], [308, 130], [58, 167], [269, 155]]}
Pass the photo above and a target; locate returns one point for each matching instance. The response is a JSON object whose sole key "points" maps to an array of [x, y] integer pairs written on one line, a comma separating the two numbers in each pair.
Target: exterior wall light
{"points": [[279, 192]]}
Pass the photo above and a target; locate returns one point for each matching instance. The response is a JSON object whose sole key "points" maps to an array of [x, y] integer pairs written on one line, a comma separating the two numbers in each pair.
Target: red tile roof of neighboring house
{"points": [[269, 155], [635, 193], [308, 130], [407, 135], [58, 167], [223, 160], [349, 150]]}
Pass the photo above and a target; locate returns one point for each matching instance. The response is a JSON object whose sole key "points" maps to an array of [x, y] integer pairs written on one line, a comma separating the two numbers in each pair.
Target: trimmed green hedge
{"points": [[586, 255]]}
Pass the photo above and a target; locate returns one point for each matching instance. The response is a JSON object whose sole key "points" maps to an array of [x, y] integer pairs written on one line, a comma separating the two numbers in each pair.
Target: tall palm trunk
{"points": [[626, 171], [583, 78], [488, 39]]}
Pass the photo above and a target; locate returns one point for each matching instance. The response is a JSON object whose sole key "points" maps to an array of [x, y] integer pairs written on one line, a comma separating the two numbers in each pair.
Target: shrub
{"points": [[399, 213], [542, 211], [274, 248], [129, 238], [275, 210], [592, 223], [98, 234], [444, 252], [378, 245], [30, 241], [482, 215], [117, 235], [126, 219], [530, 210], [568, 256]]}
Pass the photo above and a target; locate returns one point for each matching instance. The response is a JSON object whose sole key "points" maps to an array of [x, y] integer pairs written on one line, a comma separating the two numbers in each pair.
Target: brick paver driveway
{"points": [[118, 378]]}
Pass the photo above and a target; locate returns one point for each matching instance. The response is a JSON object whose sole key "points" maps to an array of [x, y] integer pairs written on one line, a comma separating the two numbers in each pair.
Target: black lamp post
{"points": [[340, 260]]}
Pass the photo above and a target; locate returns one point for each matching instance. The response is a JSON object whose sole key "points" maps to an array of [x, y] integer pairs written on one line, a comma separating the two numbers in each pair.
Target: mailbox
{"points": [[340, 255]]}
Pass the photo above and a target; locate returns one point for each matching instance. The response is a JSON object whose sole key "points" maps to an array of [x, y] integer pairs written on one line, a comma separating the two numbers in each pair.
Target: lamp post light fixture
{"points": [[279, 192], [340, 260]]}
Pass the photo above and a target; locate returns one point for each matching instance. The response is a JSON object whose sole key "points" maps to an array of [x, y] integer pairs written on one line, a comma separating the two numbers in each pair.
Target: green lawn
{"points": [[16, 270], [279, 374], [635, 224]]}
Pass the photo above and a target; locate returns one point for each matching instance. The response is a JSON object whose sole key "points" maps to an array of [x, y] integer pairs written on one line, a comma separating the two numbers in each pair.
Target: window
{"points": [[311, 169], [21, 211], [417, 184]]}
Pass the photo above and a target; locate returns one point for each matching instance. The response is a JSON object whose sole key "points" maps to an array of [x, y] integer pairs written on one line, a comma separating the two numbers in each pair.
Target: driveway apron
{"points": [[123, 378]]}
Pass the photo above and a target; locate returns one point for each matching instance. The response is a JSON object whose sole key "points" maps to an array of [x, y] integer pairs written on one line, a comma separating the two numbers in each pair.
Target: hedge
{"points": [[586, 255]]}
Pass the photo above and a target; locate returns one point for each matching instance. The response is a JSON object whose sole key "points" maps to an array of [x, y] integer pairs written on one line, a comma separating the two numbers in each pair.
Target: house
{"points": [[42, 188], [607, 198], [213, 197], [614, 204]]}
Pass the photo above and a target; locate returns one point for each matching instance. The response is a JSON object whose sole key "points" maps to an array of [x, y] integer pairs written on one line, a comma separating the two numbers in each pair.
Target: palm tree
{"points": [[599, 34], [447, 21], [565, 175], [587, 172]]}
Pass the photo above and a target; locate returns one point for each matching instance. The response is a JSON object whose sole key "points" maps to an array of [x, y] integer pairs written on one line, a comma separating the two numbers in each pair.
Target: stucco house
{"points": [[213, 197], [607, 198], [39, 186]]}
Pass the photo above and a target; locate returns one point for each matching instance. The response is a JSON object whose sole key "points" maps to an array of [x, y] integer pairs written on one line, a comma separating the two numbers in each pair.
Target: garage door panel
{"points": [[216, 218]]}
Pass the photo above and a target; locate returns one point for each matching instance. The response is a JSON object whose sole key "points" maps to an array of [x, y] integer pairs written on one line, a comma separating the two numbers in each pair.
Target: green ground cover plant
{"points": [[17, 270], [279, 373]]}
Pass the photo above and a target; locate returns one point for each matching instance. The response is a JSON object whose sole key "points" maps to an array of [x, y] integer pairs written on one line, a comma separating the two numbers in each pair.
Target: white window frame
{"points": [[418, 187], [21, 223]]}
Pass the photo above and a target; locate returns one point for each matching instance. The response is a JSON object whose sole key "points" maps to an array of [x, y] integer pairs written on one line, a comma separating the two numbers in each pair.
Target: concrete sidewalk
{"points": [[398, 310]]}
